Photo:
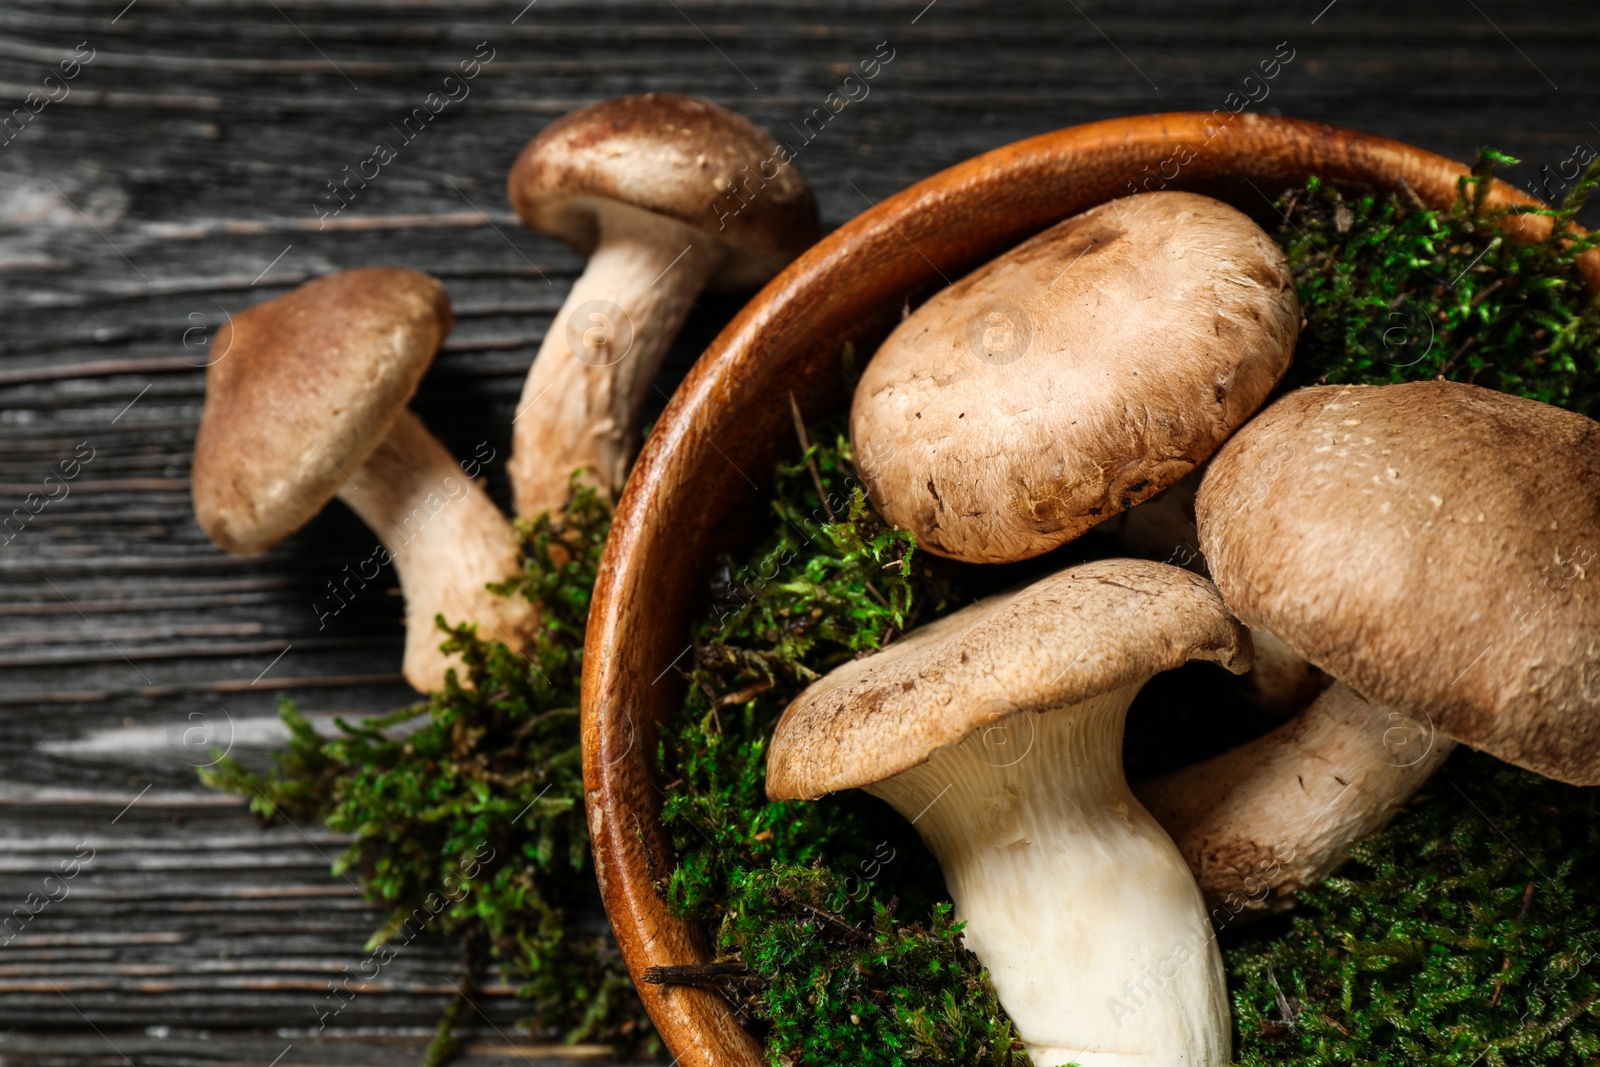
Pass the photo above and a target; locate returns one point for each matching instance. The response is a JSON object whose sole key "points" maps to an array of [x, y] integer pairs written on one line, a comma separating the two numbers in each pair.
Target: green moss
{"points": [[477, 795], [836, 989], [831, 971], [1392, 293], [817, 593], [1464, 934]]}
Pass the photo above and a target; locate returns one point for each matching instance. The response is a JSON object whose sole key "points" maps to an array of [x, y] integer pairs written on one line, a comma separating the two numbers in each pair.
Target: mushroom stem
{"points": [[1281, 812], [580, 405], [1072, 893], [447, 540], [1281, 681]]}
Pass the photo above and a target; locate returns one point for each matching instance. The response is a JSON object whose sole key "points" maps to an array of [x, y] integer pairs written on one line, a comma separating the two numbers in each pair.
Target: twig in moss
{"points": [[703, 975], [447, 1038], [748, 693], [811, 460], [1505, 964], [827, 918], [1410, 192]]}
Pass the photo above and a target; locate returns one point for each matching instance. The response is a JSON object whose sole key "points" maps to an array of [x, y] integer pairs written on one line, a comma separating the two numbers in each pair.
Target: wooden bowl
{"points": [[701, 475]]}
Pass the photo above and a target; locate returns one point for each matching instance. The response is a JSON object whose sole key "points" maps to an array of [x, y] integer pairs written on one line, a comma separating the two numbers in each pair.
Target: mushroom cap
{"points": [[1075, 635], [676, 156], [1432, 545], [1073, 377], [305, 388]]}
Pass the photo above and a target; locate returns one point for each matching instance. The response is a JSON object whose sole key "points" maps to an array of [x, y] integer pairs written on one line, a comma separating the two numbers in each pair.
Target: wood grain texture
{"points": [[176, 183]]}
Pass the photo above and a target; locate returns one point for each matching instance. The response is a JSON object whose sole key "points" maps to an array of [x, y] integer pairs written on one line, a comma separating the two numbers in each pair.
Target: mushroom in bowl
{"points": [[997, 731], [1427, 545], [1078, 374]]}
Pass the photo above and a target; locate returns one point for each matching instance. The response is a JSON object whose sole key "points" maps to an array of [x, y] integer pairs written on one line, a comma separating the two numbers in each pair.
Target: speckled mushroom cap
{"points": [[1075, 376], [1078, 634], [1433, 545], [302, 389], [677, 156]]}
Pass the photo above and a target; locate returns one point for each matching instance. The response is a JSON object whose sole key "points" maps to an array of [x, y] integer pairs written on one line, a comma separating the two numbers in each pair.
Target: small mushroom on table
{"points": [[998, 732], [308, 402], [665, 194], [1075, 376], [1431, 547]]}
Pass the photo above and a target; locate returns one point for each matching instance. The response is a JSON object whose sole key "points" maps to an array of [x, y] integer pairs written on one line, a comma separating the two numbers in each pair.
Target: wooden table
{"points": [[183, 173]]}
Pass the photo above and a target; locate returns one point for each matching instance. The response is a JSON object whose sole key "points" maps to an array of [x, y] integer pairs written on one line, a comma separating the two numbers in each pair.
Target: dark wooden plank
{"points": [[176, 183], [171, 1046]]}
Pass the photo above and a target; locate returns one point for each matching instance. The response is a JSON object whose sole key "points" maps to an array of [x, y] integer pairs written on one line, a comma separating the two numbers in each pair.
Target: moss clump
{"points": [[873, 990], [1464, 934], [467, 811], [809, 952], [831, 582], [1394, 293]]}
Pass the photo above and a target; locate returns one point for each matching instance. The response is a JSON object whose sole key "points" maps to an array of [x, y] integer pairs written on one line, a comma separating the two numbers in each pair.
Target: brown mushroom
{"points": [[1273, 816], [308, 402], [1281, 681], [1429, 545], [998, 732], [665, 194], [1074, 376]]}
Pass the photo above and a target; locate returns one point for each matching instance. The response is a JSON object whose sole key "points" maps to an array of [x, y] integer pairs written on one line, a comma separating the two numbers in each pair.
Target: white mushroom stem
{"points": [[1280, 681], [1280, 813], [447, 540], [1077, 902], [1163, 528], [580, 406]]}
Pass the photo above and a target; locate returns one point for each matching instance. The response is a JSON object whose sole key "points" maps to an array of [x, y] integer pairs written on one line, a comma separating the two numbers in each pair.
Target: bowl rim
{"points": [[984, 205]]}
